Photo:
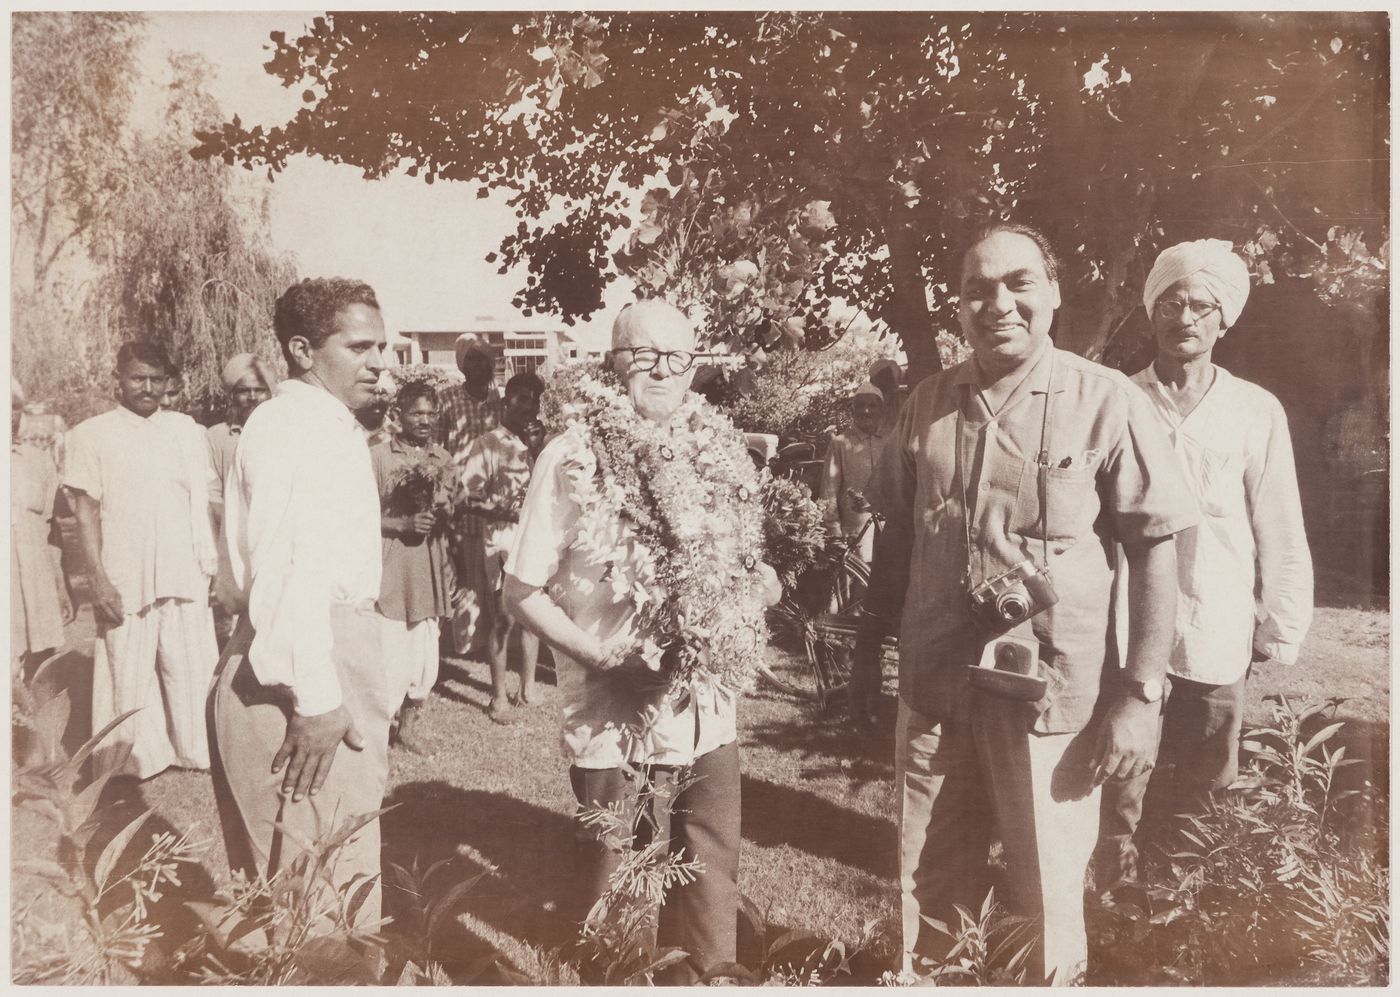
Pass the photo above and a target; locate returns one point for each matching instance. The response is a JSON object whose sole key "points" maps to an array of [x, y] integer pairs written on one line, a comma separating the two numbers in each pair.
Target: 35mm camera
{"points": [[1001, 603]]}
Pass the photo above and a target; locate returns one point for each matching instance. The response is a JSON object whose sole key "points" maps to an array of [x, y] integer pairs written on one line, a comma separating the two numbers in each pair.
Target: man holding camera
{"points": [[1007, 482]]}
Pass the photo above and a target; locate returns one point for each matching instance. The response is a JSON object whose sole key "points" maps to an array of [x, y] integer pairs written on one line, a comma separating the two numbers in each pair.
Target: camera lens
{"points": [[1013, 606]]}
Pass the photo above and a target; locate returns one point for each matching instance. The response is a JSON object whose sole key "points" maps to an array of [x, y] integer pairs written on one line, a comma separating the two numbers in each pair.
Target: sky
{"points": [[421, 247]]}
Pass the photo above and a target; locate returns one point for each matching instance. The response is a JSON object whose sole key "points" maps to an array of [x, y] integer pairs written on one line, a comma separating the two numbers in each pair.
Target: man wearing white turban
{"points": [[1231, 438]]}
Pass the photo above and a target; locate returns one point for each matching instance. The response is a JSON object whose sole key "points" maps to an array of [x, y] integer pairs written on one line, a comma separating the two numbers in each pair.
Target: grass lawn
{"points": [[819, 805]]}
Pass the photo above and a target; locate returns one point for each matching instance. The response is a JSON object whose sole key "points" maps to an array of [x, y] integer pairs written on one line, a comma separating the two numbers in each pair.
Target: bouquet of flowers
{"points": [[425, 483], [793, 532]]}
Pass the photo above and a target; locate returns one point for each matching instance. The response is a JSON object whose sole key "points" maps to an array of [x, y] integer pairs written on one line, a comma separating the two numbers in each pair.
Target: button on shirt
{"points": [[598, 708], [147, 476], [1236, 453], [1109, 474], [301, 516]]}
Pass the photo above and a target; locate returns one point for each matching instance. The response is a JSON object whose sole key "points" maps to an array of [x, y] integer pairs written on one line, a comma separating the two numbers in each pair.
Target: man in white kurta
{"points": [[303, 701], [1245, 583], [137, 477]]}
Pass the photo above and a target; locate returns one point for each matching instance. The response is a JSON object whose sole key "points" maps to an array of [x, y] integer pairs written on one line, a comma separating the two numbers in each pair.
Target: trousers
{"points": [[159, 662], [700, 917], [1198, 751], [249, 724], [962, 784]]}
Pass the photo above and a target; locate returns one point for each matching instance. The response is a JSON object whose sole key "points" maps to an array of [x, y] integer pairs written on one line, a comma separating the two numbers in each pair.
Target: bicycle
{"points": [[823, 612]]}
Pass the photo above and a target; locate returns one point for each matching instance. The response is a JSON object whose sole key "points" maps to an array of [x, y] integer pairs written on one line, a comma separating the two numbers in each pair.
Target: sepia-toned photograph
{"points": [[744, 498]]}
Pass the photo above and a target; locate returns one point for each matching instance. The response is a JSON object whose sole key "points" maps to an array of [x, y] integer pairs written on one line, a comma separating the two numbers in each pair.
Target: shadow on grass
{"points": [[528, 848], [777, 815], [823, 741]]}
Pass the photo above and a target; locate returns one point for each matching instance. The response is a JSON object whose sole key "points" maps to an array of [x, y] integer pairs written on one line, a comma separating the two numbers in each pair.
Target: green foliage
{"points": [[793, 533], [1265, 878], [297, 927], [112, 901], [619, 935], [802, 394], [147, 242], [808, 156], [987, 949]]}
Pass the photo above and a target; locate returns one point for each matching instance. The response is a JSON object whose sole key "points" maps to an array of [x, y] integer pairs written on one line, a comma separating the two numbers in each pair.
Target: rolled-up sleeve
{"points": [[548, 516], [1141, 483], [1285, 603]]}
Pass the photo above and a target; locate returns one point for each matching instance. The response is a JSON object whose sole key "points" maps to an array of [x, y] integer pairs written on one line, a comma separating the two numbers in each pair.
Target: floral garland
{"points": [[691, 497]]}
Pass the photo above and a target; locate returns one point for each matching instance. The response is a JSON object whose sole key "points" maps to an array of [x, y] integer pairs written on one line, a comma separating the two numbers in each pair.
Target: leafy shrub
{"points": [[113, 904], [1266, 880]]}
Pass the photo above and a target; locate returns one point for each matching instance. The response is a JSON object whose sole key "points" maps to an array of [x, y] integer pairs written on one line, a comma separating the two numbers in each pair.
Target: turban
{"points": [[470, 342], [882, 365], [1214, 261], [240, 364], [869, 389]]}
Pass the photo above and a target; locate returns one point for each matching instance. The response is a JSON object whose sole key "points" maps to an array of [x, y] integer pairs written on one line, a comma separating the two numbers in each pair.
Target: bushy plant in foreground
{"points": [[1269, 882], [113, 904]]}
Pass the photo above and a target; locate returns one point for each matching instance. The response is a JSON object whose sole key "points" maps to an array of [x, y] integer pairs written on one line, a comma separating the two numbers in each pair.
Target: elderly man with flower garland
{"points": [[1023, 464], [635, 560]]}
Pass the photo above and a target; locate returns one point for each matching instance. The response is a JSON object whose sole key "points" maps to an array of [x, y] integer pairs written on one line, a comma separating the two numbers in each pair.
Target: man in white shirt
{"points": [[1245, 584], [136, 479], [303, 672]]}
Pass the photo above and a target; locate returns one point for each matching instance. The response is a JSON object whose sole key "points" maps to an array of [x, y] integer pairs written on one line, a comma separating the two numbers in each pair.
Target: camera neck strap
{"points": [[1042, 468]]}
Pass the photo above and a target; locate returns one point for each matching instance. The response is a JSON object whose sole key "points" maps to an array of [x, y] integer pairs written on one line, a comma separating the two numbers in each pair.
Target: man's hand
{"points": [[67, 611], [310, 747], [1127, 745], [863, 692], [106, 601], [420, 524]]}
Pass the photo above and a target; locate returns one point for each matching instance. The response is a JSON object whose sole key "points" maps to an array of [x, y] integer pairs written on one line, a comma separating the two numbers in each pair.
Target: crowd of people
{"points": [[1082, 569]]}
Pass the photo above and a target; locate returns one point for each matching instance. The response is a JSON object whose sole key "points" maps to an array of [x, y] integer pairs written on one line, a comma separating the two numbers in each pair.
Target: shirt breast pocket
{"points": [[1215, 484], [1067, 510]]}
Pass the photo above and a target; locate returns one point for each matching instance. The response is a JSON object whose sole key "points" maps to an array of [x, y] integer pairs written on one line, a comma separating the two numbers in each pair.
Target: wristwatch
{"points": [[1147, 690]]}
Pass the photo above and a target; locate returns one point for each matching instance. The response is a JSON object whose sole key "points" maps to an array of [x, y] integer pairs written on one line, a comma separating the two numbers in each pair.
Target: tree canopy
{"points": [[119, 233], [796, 156]]}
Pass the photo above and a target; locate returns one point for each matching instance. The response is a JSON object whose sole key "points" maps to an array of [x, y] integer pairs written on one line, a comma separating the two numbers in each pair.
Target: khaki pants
{"points": [[159, 662], [964, 783], [250, 723]]}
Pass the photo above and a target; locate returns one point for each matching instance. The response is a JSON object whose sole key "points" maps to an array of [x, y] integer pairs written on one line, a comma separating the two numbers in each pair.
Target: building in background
{"points": [[517, 346]]}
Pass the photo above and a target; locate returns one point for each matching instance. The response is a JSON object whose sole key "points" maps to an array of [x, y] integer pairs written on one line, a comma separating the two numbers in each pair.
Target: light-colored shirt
{"points": [[598, 708], [223, 441], [149, 479], [301, 516], [850, 463], [461, 421], [1235, 450], [1109, 474], [496, 473]]}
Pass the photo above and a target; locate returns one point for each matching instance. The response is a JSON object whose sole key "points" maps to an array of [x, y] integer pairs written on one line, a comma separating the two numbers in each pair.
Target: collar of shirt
{"points": [[318, 399], [1033, 383], [122, 412], [1156, 390], [397, 445]]}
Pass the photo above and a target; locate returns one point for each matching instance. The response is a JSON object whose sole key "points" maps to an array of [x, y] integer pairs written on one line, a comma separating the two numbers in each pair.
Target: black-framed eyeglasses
{"points": [[1171, 308], [645, 359]]}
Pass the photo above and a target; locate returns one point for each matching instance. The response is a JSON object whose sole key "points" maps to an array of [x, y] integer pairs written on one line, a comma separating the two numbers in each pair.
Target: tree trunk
{"points": [[909, 297]]}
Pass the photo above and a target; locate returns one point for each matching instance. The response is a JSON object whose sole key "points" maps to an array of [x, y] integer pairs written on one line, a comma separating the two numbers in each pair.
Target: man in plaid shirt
{"points": [[469, 410]]}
